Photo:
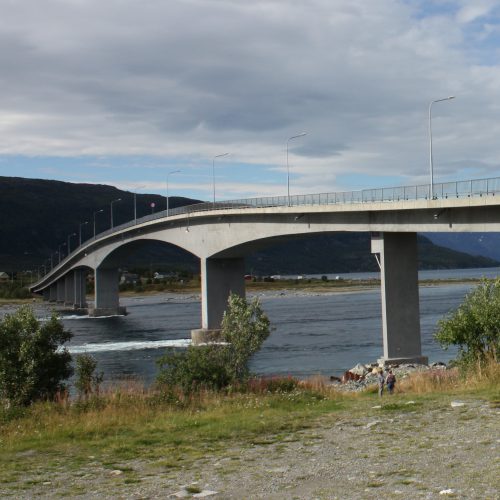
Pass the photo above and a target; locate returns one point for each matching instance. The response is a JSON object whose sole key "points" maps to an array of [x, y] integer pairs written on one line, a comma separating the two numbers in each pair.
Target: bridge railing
{"points": [[458, 189]]}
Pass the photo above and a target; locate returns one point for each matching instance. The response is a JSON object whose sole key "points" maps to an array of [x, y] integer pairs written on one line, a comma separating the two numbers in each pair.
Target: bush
{"points": [[475, 325], [33, 363], [244, 328], [87, 382]]}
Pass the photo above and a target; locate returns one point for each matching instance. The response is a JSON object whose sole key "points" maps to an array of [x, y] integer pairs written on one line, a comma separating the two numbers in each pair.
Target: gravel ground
{"points": [[403, 451]]}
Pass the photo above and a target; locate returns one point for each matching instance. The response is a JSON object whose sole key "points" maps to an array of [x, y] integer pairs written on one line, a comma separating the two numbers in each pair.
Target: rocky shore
{"points": [[361, 376]]}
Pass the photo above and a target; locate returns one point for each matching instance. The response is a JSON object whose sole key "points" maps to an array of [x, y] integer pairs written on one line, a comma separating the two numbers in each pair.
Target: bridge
{"points": [[221, 235]]}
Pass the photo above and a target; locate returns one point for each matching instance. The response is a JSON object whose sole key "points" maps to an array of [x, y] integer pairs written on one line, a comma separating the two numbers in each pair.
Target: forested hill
{"points": [[38, 215]]}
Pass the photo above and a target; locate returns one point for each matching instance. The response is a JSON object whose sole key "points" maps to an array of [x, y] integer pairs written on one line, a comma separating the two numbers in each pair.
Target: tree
{"points": [[475, 325], [33, 363], [244, 329]]}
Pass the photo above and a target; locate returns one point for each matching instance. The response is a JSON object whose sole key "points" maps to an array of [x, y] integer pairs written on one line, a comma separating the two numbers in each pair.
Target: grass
{"points": [[169, 434]]}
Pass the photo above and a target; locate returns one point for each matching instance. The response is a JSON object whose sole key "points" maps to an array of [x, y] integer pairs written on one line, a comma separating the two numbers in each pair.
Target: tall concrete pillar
{"points": [[106, 301], [61, 290], [80, 289], [400, 301], [53, 293], [219, 278], [69, 289]]}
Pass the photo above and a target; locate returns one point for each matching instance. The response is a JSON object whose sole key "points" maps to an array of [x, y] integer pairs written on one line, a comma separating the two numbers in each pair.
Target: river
{"points": [[324, 333]]}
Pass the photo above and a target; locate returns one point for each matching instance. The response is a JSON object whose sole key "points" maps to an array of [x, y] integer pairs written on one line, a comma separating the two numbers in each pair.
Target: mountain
{"points": [[38, 215], [485, 244]]}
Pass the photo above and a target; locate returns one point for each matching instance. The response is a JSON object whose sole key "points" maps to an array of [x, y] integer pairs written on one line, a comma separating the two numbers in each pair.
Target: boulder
{"points": [[359, 369]]}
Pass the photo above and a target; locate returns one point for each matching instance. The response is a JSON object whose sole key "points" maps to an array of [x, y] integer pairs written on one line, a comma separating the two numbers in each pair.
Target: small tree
{"points": [[244, 328], [87, 381], [33, 363], [475, 325]]}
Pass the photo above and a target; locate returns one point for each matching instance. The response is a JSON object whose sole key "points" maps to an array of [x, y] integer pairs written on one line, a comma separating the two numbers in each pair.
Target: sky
{"points": [[125, 92]]}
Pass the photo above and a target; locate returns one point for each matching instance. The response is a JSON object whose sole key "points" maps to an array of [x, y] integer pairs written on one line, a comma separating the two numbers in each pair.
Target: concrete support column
{"points": [[219, 278], [80, 289], [53, 293], [400, 301], [106, 301], [61, 290], [69, 289]]}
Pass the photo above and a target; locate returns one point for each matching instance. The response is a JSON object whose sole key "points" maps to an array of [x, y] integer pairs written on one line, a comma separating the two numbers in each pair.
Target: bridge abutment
{"points": [[400, 301], [219, 278], [107, 300]]}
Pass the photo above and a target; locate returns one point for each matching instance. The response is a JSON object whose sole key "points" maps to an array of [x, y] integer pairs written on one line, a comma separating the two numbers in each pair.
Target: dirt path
{"points": [[401, 451]]}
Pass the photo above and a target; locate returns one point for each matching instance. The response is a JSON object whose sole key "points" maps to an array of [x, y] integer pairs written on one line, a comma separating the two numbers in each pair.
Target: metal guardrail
{"points": [[459, 189]]}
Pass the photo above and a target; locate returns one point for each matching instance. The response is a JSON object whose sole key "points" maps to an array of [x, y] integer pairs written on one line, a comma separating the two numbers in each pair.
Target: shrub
{"points": [[244, 329], [475, 325], [87, 381], [33, 363]]}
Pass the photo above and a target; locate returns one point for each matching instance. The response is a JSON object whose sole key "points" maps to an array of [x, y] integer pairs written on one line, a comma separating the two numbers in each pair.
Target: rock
{"points": [[116, 472], [449, 491], [348, 376], [204, 494], [457, 404], [359, 369], [369, 425], [180, 494]]}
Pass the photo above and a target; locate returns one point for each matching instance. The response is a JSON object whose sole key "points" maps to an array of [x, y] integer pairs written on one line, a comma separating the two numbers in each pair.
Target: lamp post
{"points": [[135, 202], [431, 165], [80, 232], [114, 201], [69, 238], [213, 170], [59, 251], [288, 166], [95, 213], [168, 175]]}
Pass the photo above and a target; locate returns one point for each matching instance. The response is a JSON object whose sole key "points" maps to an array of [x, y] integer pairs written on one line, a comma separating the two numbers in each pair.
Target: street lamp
{"points": [[168, 175], [213, 170], [69, 238], [59, 251], [80, 231], [288, 166], [95, 213], [431, 187], [114, 201], [135, 202]]}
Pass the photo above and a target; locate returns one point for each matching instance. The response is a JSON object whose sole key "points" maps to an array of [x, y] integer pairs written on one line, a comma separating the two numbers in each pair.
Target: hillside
{"points": [[38, 215]]}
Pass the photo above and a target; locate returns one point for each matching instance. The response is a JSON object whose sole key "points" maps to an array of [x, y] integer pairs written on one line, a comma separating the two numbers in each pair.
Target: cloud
{"points": [[186, 80]]}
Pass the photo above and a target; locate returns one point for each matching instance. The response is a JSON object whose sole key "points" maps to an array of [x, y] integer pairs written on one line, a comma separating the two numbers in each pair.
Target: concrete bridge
{"points": [[221, 234]]}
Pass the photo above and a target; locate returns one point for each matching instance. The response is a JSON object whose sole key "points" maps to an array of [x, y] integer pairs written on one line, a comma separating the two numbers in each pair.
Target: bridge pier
{"points": [[400, 301], [107, 300], [53, 293], [61, 290], [219, 278], [80, 289], [69, 289]]}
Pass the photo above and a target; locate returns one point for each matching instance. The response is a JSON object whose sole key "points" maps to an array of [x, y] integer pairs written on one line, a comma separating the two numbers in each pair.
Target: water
{"points": [[326, 333]]}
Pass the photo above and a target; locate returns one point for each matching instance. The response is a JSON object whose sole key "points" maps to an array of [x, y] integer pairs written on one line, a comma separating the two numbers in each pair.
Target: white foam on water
{"points": [[128, 346]]}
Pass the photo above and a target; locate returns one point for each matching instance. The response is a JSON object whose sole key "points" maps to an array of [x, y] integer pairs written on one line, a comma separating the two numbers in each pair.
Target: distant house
{"points": [[162, 276], [4, 277], [129, 278]]}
